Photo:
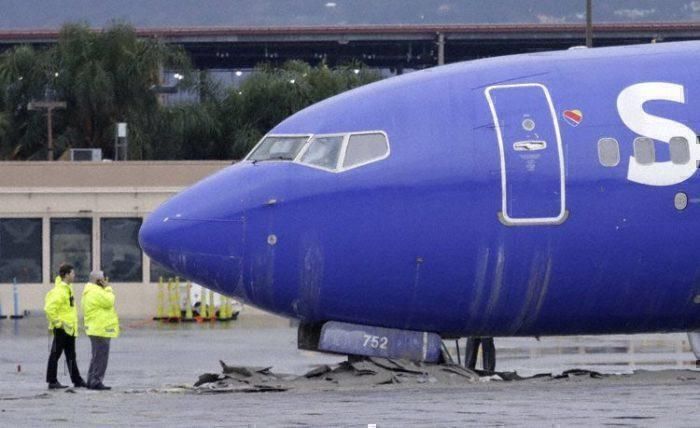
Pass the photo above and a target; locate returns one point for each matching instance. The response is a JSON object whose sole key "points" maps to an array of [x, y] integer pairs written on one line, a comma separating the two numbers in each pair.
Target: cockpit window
{"points": [[323, 152], [364, 148], [278, 148], [331, 152]]}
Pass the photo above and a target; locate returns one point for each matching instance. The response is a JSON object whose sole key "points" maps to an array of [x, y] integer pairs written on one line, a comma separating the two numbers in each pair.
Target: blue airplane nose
{"points": [[200, 233]]}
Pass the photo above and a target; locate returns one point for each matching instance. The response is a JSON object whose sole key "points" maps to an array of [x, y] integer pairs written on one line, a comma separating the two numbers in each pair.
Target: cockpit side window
{"points": [[278, 148], [323, 152], [364, 148]]}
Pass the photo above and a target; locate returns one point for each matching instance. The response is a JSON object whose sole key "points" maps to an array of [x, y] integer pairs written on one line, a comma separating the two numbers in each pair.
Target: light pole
{"points": [[441, 48], [49, 106], [589, 23]]}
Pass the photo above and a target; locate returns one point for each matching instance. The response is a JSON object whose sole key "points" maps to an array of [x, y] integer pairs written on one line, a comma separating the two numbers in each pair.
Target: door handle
{"points": [[529, 146]]}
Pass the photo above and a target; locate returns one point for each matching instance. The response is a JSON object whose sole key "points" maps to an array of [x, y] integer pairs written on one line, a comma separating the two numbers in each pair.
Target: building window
{"points": [[159, 271], [608, 152], [71, 243], [20, 250], [120, 254]]}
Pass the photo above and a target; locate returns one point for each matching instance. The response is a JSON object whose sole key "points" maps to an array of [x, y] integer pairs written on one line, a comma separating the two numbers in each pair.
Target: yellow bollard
{"points": [[170, 299], [159, 312], [188, 304], [173, 314], [212, 308], [222, 309], [176, 301], [227, 308], [203, 314]]}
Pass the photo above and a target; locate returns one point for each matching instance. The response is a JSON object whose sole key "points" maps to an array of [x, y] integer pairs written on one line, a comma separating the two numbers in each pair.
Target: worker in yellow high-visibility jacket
{"points": [[62, 316], [101, 325]]}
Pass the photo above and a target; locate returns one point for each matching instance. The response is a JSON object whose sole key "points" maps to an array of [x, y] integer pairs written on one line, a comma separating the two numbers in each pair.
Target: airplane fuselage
{"points": [[496, 211]]}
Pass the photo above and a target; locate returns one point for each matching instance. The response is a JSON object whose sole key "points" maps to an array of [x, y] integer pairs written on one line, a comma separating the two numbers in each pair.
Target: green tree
{"points": [[113, 76], [24, 76], [110, 77], [105, 77], [4, 124], [272, 94]]}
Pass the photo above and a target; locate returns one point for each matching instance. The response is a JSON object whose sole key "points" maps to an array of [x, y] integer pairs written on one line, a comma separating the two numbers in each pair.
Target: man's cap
{"points": [[96, 274]]}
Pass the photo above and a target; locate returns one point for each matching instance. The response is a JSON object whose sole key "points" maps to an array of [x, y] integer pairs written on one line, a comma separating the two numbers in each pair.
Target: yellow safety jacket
{"points": [[98, 309], [60, 308]]}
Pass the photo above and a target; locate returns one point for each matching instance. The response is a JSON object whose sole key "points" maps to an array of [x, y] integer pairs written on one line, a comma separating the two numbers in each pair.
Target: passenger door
{"points": [[532, 160]]}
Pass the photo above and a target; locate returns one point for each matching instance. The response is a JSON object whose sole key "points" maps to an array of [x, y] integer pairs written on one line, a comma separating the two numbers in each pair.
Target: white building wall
{"points": [[60, 193], [134, 300]]}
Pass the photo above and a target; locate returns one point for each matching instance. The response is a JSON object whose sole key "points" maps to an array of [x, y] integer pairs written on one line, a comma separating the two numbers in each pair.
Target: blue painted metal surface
{"points": [[354, 339], [414, 241]]}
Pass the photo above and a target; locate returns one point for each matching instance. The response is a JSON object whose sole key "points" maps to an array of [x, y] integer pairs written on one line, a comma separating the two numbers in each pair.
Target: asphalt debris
{"points": [[354, 372]]}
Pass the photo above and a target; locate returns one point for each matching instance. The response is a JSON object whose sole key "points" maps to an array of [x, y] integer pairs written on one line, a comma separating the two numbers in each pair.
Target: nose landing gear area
{"points": [[379, 342], [374, 368]]}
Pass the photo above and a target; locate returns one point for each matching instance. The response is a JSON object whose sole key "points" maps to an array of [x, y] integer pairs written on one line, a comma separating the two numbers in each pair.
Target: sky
{"points": [[51, 14]]}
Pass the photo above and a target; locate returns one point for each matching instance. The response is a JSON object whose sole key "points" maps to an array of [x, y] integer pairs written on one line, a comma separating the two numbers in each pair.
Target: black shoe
{"points": [[100, 387], [56, 385], [80, 384]]}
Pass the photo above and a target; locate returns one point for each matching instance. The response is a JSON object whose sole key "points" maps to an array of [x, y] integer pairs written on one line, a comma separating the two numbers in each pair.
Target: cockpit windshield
{"points": [[323, 152], [330, 152], [278, 148]]}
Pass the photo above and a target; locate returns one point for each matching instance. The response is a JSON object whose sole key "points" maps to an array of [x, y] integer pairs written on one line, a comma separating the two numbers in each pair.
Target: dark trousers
{"points": [[98, 363], [63, 343]]}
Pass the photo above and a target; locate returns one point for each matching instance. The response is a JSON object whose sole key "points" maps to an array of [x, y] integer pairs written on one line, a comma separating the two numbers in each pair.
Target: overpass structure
{"points": [[411, 34]]}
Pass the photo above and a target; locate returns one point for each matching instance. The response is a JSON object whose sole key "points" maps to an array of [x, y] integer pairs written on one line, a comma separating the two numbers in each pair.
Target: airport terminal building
{"points": [[87, 214]]}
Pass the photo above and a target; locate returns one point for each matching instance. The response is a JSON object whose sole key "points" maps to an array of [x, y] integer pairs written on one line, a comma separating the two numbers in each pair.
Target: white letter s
{"points": [[630, 104]]}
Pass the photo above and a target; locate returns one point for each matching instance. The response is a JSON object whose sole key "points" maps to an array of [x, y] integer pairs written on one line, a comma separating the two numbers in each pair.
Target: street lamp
{"points": [[589, 23], [49, 106]]}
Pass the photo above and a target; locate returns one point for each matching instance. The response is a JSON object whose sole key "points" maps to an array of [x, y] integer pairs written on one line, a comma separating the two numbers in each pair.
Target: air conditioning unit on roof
{"points": [[86, 155]]}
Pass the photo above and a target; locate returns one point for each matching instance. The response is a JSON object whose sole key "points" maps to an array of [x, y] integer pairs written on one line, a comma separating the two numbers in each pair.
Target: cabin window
{"points": [[680, 150], [278, 148], [608, 152], [644, 150], [365, 148], [323, 152]]}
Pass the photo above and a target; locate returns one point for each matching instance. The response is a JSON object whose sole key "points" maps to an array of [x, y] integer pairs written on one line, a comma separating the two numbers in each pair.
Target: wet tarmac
{"points": [[153, 368]]}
